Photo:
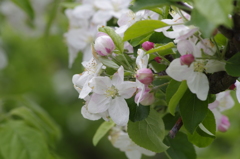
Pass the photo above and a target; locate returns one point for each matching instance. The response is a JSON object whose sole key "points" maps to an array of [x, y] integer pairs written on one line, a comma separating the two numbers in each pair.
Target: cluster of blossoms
{"points": [[84, 19], [117, 71]]}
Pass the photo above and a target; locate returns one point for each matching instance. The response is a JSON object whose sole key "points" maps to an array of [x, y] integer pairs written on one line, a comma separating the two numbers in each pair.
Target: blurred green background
{"points": [[38, 68]]}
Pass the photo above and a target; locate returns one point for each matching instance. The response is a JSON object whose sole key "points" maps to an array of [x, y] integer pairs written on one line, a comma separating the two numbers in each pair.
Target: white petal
{"points": [[177, 71], [126, 89], [86, 114], [198, 83], [185, 47], [214, 66], [99, 103], [119, 111], [134, 154], [142, 59], [101, 17], [146, 152], [100, 84], [238, 90], [118, 76]]}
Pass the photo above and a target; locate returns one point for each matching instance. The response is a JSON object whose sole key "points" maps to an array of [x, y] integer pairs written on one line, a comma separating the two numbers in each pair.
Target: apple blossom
{"points": [[147, 45], [224, 124], [81, 81], [109, 95], [104, 45], [147, 97], [120, 139], [224, 101], [145, 76]]}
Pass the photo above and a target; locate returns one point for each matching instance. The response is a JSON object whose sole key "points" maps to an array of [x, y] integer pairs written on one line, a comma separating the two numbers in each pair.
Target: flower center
{"points": [[111, 92], [199, 66]]}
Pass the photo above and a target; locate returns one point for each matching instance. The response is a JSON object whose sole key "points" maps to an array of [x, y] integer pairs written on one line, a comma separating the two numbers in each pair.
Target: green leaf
{"points": [[209, 122], [70, 5], [137, 113], [175, 97], [139, 40], [233, 65], [143, 4], [115, 37], [220, 39], [149, 132], [157, 67], [161, 49], [205, 25], [216, 11], [159, 37], [180, 147], [142, 27], [170, 120], [200, 138], [109, 63], [44, 117], [192, 110], [26, 6], [34, 121], [19, 141], [102, 130]]}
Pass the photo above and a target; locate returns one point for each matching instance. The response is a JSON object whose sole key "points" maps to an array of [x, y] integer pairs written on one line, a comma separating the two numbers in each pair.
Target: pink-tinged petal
{"points": [[198, 84], [225, 100], [100, 84], [177, 71], [119, 111], [86, 114], [99, 103], [185, 47], [118, 76], [126, 89]]}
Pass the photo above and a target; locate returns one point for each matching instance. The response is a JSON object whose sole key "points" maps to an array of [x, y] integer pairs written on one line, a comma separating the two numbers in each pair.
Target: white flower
{"points": [[129, 18], [121, 140], [109, 95], [179, 30], [81, 81], [91, 116], [80, 40], [142, 62], [224, 101]]}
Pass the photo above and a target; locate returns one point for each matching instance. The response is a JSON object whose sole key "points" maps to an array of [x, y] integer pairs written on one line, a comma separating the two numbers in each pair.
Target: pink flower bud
{"points": [[145, 76], [104, 45], [158, 59], [147, 45], [187, 59], [101, 34], [224, 124], [232, 87]]}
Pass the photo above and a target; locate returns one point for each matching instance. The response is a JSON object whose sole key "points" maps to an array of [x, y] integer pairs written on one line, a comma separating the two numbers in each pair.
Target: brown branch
{"points": [[176, 128]]}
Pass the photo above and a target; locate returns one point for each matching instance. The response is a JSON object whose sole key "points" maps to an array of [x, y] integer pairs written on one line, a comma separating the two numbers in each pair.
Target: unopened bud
{"points": [[145, 76], [224, 124], [232, 87], [148, 99], [104, 45], [187, 59], [147, 45], [158, 59]]}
